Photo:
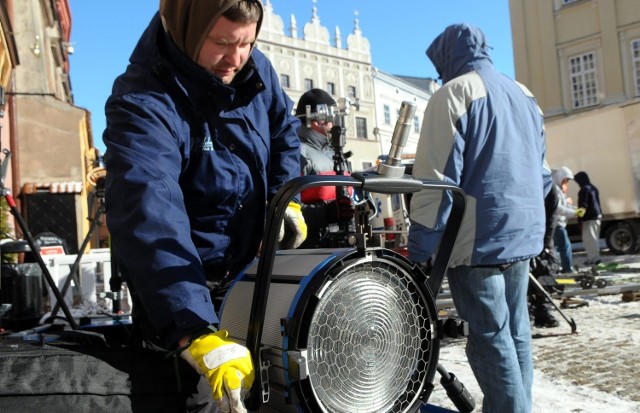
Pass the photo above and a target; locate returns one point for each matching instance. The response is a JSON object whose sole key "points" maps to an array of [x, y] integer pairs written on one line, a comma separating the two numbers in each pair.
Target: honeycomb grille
{"points": [[369, 340]]}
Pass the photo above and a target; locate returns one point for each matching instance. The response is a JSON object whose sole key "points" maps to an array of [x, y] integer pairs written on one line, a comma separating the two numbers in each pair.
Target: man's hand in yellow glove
{"points": [[294, 221], [227, 366], [580, 212]]}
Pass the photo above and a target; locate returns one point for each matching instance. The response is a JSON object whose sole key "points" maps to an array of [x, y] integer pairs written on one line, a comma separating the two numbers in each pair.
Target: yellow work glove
{"points": [[294, 221], [580, 212], [227, 366]]}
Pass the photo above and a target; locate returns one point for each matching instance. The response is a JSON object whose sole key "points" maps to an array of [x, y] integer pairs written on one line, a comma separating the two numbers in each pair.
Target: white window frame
{"points": [[308, 84], [387, 115], [635, 64], [361, 128], [285, 81], [331, 88], [583, 80]]}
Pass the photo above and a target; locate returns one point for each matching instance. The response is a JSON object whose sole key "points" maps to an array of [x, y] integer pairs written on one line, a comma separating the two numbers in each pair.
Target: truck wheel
{"points": [[622, 238]]}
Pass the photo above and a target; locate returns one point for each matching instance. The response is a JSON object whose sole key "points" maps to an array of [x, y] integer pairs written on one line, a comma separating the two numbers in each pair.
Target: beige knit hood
{"points": [[188, 22]]}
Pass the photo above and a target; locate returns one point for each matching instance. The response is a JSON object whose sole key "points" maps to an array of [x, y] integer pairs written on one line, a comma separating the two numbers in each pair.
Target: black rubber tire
{"points": [[622, 238]]}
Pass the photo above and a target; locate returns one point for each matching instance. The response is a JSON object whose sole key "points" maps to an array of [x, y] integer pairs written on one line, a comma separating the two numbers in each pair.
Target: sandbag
{"points": [[68, 377]]}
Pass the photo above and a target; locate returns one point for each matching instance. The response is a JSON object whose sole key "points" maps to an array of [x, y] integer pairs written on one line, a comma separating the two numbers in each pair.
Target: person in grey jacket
{"points": [[485, 133], [565, 209], [323, 209]]}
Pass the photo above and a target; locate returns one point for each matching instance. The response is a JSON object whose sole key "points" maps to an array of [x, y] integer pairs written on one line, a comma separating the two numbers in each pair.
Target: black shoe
{"points": [[542, 318]]}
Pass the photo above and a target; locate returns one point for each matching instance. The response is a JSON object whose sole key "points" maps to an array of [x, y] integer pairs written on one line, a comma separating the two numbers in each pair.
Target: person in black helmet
{"points": [[322, 209]]}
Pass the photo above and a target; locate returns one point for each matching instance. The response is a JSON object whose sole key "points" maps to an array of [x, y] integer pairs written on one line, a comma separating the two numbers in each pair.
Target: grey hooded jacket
{"points": [[485, 133]]}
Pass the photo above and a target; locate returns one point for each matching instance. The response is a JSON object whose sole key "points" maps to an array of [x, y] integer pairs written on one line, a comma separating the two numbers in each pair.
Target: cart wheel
{"points": [[587, 282], [601, 283]]}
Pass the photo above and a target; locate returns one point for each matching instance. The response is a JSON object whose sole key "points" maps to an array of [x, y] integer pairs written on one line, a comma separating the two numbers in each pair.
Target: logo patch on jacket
{"points": [[207, 145], [201, 144]]}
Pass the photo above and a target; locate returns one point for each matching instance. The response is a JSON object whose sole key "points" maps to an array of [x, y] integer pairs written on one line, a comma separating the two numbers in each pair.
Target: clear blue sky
{"points": [[104, 32]]}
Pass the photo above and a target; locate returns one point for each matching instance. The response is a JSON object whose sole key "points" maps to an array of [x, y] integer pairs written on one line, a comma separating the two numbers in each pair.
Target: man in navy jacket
{"points": [[199, 138]]}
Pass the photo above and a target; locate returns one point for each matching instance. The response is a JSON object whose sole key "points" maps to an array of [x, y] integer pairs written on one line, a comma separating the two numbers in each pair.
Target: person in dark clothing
{"points": [[200, 137], [323, 209], [544, 267], [589, 216]]}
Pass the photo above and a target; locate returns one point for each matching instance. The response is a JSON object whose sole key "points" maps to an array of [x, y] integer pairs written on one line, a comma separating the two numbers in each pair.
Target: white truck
{"points": [[604, 143]]}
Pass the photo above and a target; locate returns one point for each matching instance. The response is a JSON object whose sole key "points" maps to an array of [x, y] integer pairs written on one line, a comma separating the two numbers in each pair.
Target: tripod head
{"points": [[331, 113], [97, 176]]}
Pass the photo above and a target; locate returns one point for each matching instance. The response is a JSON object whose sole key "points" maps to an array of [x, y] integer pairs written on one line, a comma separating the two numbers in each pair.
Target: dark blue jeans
{"points": [[494, 303], [563, 246]]}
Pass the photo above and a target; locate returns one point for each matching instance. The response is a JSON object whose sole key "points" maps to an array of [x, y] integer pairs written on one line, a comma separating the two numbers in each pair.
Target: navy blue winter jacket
{"points": [[191, 165]]}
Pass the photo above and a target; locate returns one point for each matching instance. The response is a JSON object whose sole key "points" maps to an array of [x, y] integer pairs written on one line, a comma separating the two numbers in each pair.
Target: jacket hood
{"points": [[561, 174], [461, 48], [582, 178], [188, 22]]}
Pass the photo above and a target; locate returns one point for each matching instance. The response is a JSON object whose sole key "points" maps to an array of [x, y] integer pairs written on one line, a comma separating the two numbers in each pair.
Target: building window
{"points": [[351, 91], [387, 115], [285, 81], [416, 124], [635, 61], [584, 87], [361, 128], [308, 84], [331, 88]]}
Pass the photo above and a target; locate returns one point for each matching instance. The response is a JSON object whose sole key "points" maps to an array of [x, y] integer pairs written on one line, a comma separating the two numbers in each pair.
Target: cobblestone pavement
{"points": [[604, 354]]}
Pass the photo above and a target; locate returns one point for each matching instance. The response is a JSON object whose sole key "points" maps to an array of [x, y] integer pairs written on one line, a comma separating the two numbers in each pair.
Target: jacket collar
{"points": [[313, 138]]}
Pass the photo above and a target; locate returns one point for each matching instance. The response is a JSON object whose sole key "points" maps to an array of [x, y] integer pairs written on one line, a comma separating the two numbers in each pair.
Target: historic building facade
{"points": [[581, 59], [309, 56], [577, 55], [390, 92], [51, 138]]}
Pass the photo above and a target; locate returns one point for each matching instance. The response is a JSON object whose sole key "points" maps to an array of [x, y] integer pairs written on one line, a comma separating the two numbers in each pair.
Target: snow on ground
{"points": [[596, 370]]}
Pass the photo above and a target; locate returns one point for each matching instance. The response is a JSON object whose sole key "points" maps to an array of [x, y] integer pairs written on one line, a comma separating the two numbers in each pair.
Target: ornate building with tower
{"points": [[309, 56]]}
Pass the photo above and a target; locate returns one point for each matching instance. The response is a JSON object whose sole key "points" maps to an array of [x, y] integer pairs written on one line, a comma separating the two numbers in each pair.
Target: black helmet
{"points": [[313, 97]]}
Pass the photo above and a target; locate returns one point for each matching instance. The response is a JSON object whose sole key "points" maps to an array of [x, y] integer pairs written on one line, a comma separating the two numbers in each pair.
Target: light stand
{"points": [[35, 249], [96, 177]]}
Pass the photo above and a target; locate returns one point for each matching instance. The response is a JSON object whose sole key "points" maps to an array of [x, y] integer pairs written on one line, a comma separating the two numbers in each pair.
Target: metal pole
{"points": [[544, 292]]}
